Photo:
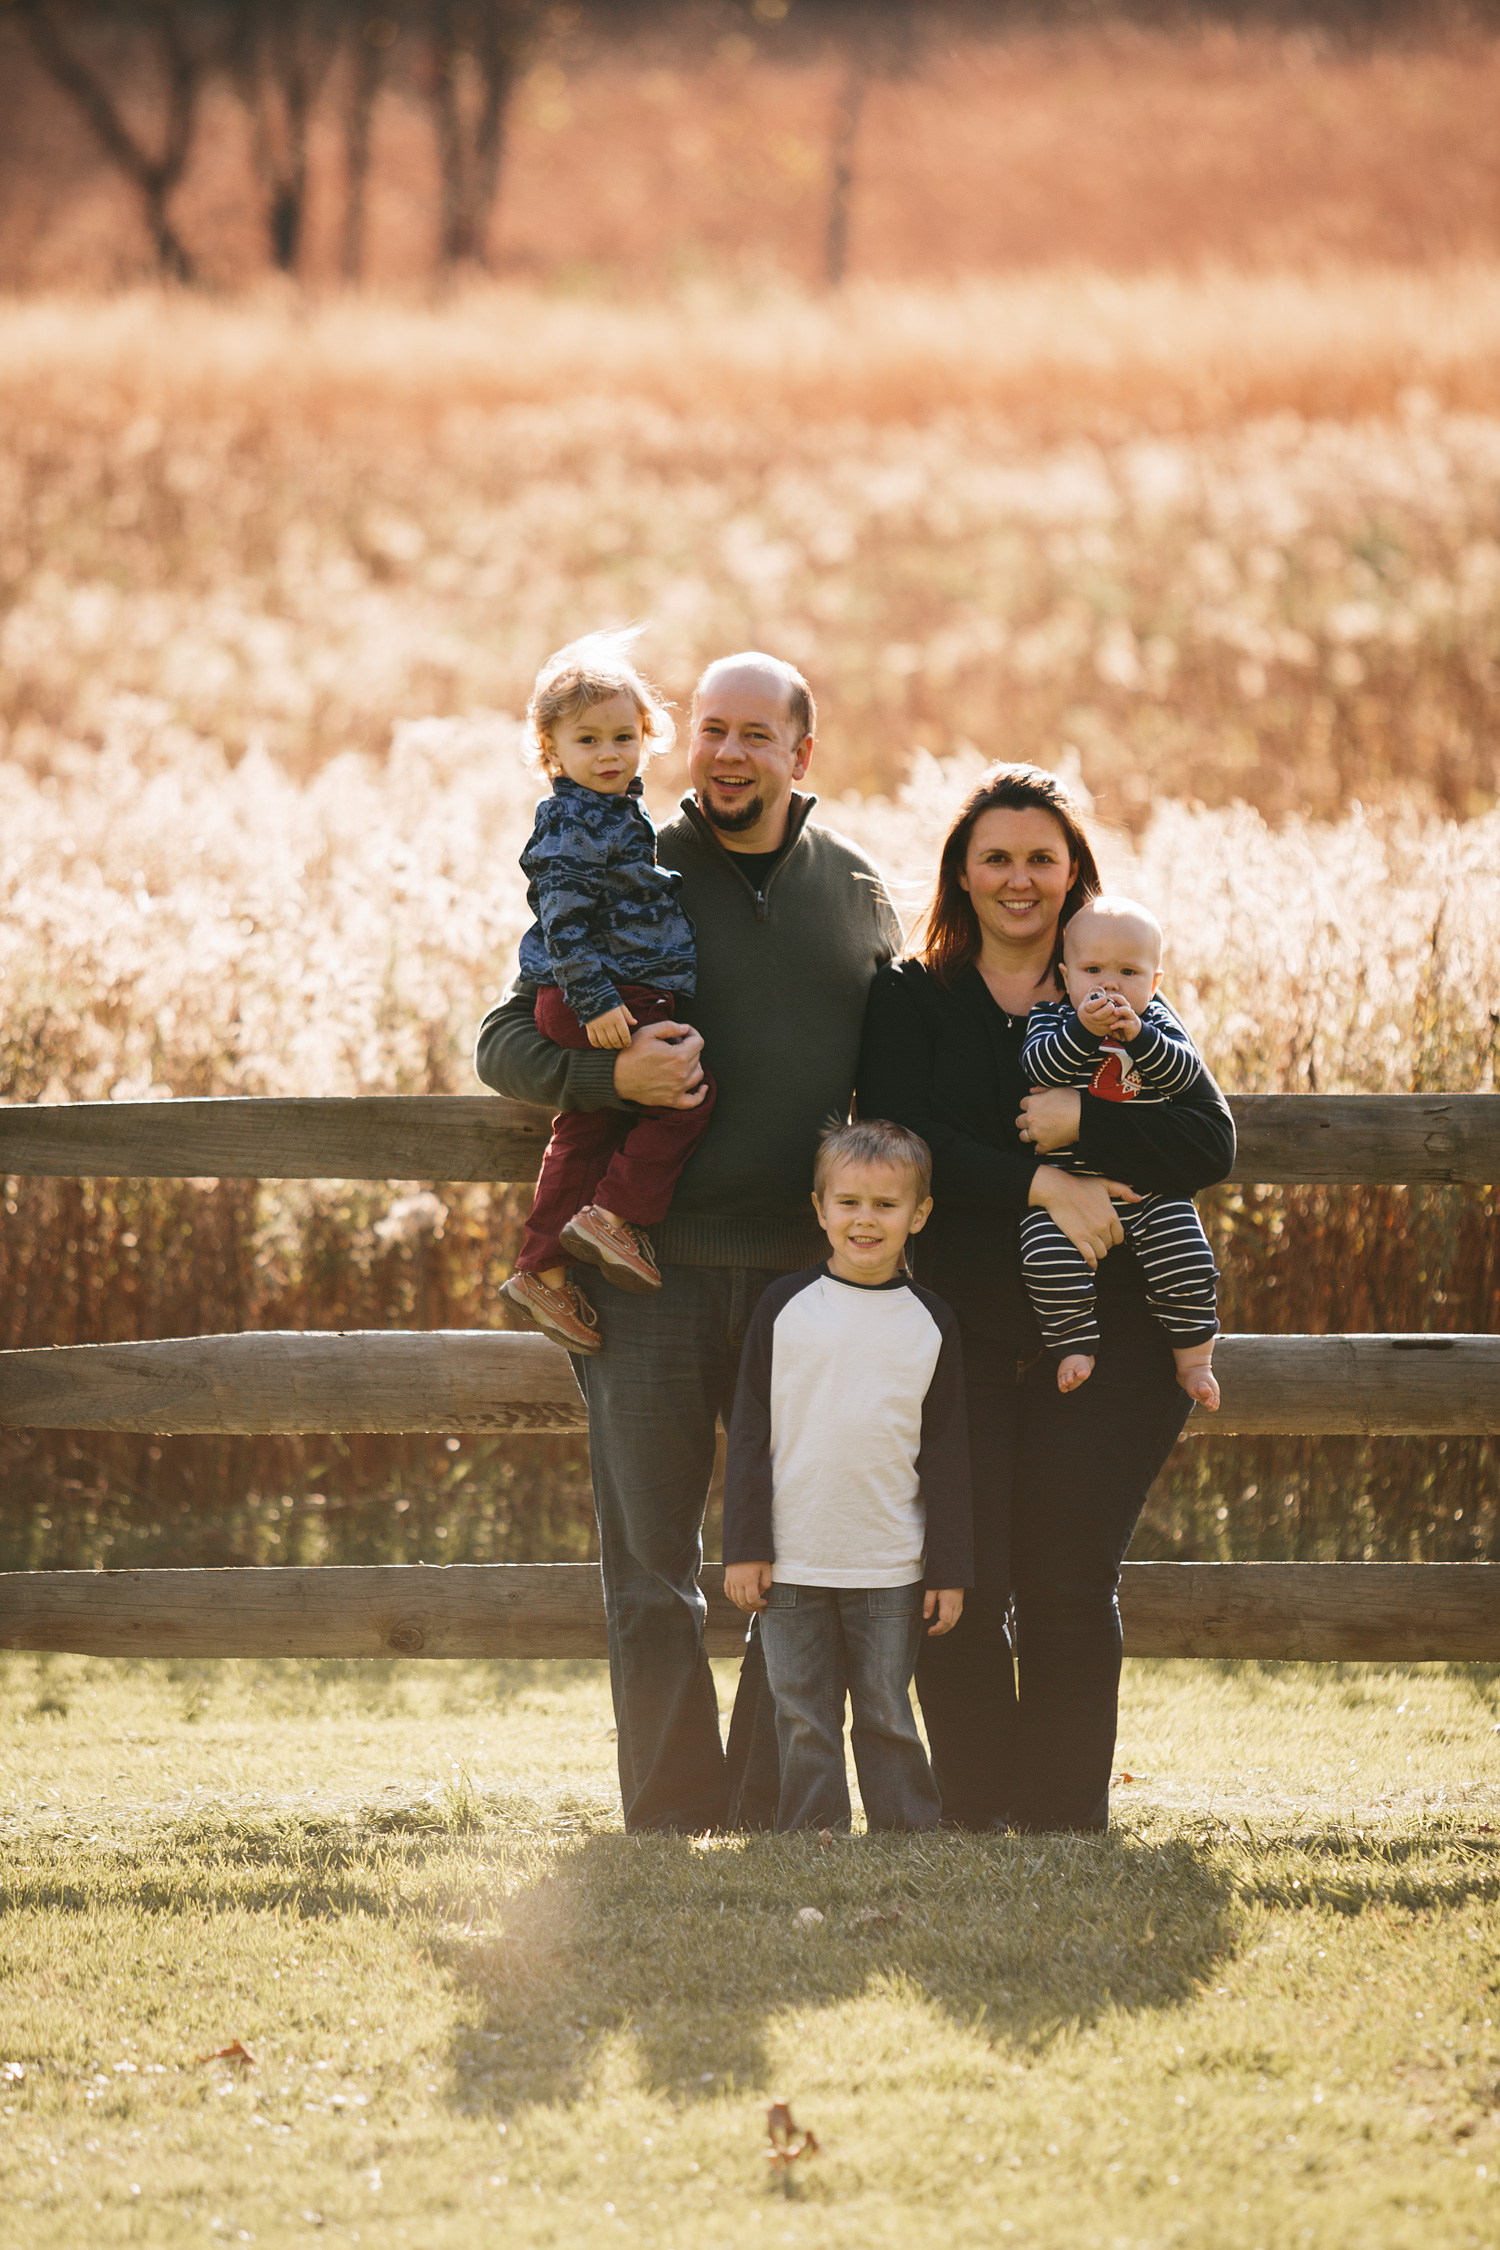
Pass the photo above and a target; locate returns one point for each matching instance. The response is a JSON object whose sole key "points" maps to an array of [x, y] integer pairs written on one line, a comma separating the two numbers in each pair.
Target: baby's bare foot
{"points": [[1076, 1369], [1199, 1383]]}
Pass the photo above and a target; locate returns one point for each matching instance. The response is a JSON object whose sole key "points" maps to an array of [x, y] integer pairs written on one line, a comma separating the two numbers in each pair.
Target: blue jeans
{"points": [[821, 1643], [654, 1393]]}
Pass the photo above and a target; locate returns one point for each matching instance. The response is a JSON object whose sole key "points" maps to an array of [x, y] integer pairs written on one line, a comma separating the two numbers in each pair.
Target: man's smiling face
{"points": [[746, 754]]}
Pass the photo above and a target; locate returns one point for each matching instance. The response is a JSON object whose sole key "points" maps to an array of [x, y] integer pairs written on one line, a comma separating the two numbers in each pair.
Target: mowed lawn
{"points": [[1264, 2012]]}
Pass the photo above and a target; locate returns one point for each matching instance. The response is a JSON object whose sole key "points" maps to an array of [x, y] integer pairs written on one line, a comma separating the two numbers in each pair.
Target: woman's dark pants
{"points": [[1058, 1485]]}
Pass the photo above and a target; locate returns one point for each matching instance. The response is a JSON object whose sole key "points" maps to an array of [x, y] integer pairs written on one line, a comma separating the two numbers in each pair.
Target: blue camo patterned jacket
{"points": [[606, 914]]}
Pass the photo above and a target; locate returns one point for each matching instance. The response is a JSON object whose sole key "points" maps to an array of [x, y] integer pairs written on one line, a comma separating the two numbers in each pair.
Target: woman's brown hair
{"points": [[947, 935]]}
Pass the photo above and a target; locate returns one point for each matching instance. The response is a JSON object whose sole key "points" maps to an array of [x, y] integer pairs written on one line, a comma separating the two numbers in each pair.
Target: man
{"points": [[792, 923]]}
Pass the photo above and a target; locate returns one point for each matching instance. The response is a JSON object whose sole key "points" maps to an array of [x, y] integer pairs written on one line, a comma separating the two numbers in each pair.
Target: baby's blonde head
{"points": [[590, 671], [1122, 919]]}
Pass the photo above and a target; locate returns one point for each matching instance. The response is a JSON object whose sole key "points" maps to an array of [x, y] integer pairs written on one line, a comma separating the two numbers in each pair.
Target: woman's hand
{"points": [[1082, 1208], [1050, 1119]]}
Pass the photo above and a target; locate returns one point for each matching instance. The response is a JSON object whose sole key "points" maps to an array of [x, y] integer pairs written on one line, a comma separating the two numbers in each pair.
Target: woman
{"points": [[1059, 1480]]}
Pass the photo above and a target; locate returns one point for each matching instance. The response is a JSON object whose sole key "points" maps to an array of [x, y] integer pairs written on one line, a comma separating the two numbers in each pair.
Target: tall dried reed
{"points": [[169, 923], [1017, 517]]}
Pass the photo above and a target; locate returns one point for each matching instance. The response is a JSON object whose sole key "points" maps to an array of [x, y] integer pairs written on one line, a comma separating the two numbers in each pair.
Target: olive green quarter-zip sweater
{"points": [[783, 976]]}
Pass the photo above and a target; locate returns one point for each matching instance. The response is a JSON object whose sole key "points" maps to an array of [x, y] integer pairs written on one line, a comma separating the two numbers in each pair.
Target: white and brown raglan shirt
{"points": [[849, 1444]]}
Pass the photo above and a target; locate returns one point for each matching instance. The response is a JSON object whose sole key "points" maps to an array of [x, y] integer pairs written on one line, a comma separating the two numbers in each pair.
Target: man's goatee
{"points": [[734, 823]]}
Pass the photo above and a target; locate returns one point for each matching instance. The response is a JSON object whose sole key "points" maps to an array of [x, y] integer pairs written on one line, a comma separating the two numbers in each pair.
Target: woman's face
{"points": [[1017, 874]]}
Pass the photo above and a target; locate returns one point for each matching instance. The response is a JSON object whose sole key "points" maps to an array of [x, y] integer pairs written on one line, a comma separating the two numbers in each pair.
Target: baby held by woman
{"points": [[1113, 1038]]}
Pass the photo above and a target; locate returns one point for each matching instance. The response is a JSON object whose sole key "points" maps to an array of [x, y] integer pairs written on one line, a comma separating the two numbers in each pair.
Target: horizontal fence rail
{"points": [[1346, 1140], [488, 1380], [1316, 1612], [298, 1384], [359, 1137], [453, 1380]]}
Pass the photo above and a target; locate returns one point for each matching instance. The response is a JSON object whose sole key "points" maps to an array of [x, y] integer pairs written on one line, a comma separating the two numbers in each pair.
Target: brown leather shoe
{"points": [[560, 1313], [622, 1254]]}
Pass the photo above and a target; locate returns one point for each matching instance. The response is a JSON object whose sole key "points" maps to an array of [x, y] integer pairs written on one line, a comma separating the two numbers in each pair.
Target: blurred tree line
{"points": [[137, 73]]}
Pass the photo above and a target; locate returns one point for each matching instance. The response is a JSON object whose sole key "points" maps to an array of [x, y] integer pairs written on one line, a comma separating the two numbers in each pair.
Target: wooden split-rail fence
{"points": [[1425, 1385]]}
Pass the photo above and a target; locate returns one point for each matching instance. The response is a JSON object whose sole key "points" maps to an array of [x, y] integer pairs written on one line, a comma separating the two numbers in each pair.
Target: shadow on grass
{"points": [[1033, 1931], [694, 1952], [1352, 1871]]}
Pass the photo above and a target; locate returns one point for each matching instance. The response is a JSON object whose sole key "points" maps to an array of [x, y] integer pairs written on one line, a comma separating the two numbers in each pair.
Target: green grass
{"points": [[1263, 2012]]}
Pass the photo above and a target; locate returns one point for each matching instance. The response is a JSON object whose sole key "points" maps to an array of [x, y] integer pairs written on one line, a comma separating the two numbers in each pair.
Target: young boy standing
{"points": [[847, 1511]]}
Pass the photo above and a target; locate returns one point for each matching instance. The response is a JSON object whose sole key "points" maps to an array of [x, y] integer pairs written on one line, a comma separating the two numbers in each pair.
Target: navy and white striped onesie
{"points": [[1164, 1231]]}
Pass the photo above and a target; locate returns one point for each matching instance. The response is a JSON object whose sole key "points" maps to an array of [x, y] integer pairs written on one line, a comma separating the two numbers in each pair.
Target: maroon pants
{"points": [[628, 1160]]}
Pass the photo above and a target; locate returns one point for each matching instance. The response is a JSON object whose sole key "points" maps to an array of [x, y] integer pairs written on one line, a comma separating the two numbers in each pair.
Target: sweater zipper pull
{"points": [[761, 909]]}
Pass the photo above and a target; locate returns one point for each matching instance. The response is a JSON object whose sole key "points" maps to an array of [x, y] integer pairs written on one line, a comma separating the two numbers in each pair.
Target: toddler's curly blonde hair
{"points": [[590, 671]]}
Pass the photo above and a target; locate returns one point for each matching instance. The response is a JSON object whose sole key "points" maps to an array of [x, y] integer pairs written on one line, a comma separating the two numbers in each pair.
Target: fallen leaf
{"points": [[1126, 1777], [825, 1838], [235, 2052], [806, 1916], [13, 2070], [787, 2144]]}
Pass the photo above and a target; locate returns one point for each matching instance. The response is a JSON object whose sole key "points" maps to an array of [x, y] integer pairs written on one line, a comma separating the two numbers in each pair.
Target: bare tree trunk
{"points": [[280, 58], [841, 180], [498, 66], [366, 67], [485, 44], [448, 127], [155, 177]]}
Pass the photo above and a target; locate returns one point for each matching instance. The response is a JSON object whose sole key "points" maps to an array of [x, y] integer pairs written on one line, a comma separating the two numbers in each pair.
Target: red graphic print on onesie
{"points": [[1116, 1079]]}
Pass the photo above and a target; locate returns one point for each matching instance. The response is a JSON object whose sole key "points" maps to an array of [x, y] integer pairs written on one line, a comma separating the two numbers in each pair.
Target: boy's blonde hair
{"points": [[590, 671], [873, 1140]]}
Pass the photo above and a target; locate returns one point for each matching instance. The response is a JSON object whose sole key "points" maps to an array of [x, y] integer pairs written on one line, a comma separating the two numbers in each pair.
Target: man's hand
{"points": [[1082, 1208], [1050, 1118], [612, 1029], [945, 1605], [746, 1582], [1109, 1015], [660, 1068]]}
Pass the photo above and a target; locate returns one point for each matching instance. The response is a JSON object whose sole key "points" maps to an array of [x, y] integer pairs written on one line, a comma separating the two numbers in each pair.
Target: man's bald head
{"points": [[774, 671], [751, 741]]}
